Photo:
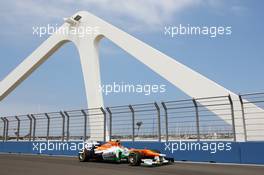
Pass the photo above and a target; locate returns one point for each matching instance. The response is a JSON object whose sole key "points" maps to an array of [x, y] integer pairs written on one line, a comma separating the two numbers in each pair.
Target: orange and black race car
{"points": [[115, 152]]}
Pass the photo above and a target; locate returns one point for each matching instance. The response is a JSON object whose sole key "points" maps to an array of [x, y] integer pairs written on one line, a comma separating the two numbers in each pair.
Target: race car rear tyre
{"points": [[84, 156], [134, 159]]}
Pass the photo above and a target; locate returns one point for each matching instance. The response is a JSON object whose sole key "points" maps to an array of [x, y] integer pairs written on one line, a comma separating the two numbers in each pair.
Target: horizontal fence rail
{"points": [[212, 118]]}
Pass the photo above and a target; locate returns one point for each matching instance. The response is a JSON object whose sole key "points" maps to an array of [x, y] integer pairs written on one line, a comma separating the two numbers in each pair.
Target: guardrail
{"points": [[212, 118]]}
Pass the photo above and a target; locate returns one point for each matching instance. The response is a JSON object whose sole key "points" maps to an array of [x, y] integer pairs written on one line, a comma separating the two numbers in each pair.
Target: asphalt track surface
{"points": [[48, 165]]}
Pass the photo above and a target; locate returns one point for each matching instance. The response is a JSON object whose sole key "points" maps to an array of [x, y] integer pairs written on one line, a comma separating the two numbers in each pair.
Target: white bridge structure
{"points": [[189, 81]]}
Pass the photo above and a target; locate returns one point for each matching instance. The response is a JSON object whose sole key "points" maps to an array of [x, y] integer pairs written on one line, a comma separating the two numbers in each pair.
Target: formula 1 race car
{"points": [[113, 151]]}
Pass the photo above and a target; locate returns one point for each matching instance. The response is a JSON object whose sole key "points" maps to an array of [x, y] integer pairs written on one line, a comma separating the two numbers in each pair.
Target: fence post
{"points": [[197, 119], [158, 115], [166, 120], [133, 122], [34, 126], [7, 128], [63, 126], [233, 116], [104, 113], [110, 123], [30, 127], [18, 127], [68, 125], [85, 125], [48, 125], [4, 129], [243, 117]]}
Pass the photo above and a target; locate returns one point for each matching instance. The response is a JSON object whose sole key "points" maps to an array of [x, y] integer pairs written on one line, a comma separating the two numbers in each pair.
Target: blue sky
{"points": [[235, 62]]}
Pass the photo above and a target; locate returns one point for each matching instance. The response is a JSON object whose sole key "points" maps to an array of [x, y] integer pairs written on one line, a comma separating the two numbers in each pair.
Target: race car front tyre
{"points": [[134, 159], [171, 160], [84, 156]]}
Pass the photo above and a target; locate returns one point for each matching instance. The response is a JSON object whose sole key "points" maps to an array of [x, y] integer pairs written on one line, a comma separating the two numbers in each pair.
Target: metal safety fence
{"points": [[211, 118]]}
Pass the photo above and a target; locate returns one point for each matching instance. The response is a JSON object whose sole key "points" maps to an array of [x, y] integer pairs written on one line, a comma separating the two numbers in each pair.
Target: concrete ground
{"points": [[11, 164]]}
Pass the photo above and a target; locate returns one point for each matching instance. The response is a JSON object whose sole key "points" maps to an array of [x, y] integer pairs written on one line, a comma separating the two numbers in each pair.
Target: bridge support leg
{"points": [[89, 56]]}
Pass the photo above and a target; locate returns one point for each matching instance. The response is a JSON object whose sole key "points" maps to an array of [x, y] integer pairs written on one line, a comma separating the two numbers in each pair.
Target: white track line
{"points": [[217, 163]]}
